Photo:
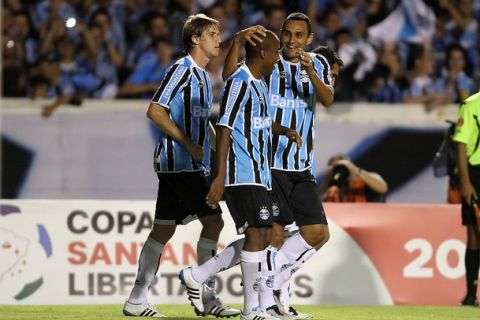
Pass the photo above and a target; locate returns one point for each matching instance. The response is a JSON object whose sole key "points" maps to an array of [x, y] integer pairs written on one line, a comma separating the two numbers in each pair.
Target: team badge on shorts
{"points": [[264, 213], [275, 209]]}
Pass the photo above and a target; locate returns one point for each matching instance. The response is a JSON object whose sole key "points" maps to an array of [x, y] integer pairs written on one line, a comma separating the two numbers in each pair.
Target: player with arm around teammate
{"points": [[298, 80], [243, 172]]}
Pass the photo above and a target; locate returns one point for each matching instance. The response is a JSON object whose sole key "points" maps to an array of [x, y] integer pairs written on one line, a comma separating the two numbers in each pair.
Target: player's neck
{"points": [[291, 60], [199, 57], [253, 66]]}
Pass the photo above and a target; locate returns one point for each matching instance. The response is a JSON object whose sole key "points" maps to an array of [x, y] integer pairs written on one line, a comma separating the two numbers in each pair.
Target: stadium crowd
{"points": [[394, 51]]}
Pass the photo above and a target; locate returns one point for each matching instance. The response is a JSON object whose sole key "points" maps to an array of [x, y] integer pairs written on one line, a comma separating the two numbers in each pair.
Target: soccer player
{"points": [[242, 164], [299, 79], [467, 136], [180, 108]]}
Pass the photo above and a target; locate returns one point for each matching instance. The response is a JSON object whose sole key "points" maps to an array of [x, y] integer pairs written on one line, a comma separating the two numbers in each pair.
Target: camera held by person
{"points": [[346, 182]]}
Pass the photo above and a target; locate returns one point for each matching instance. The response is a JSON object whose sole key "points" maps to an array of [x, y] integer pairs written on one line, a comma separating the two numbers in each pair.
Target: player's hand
{"points": [[216, 192], [195, 151], [305, 60], [468, 192], [48, 110], [293, 135], [252, 35]]}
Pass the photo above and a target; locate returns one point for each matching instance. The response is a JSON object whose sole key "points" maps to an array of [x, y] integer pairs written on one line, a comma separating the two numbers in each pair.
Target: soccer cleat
{"points": [[469, 301], [299, 315], [216, 308], [275, 312], [277, 296], [257, 315], [141, 310], [194, 289]]}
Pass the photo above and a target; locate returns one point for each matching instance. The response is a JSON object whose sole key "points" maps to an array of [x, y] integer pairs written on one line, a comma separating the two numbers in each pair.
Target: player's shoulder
{"points": [[240, 77], [473, 101], [320, 57], [183, 64]]}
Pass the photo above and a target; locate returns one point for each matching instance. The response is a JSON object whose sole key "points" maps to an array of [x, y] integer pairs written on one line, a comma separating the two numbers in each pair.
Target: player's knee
{"points": [[162, 233], [317, 236], [257, 239], [212, 225]]}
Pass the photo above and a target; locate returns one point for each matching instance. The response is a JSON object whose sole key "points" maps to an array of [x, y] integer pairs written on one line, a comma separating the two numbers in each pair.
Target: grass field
{"points": [[337, 312]]}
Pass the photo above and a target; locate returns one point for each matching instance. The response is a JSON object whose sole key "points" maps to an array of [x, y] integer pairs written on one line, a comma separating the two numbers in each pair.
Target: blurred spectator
{"points": [[346, 182], [148, 74], [462, 28], [233, 15], [274, 16], [386, 78], [178, 11], [101, 53], [455, 80], [18, 49], [47, 11], [52, 30], [61, 86], [50, 9], [351, 12], [359, 58], [113, 38], [21, 33], [155, 26], [422, 88]]}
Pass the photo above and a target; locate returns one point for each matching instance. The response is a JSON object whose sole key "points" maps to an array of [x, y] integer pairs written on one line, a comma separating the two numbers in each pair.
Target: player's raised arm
{"points": [[323, 87], [251, 34]]}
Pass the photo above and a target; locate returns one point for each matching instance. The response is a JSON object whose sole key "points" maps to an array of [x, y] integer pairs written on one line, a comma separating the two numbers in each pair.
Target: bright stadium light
{"points": [[70, 22]]}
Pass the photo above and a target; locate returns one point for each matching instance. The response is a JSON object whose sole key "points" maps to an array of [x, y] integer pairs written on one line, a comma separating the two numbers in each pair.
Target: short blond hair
{"points": [[194, 26]]}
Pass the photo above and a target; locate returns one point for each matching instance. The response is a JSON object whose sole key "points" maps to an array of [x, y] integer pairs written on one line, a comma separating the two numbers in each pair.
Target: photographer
{"points": [[346, 182]]}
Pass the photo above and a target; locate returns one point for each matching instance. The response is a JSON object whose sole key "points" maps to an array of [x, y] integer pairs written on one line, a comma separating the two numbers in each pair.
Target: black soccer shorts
{"points": [[181, 198], [295, 198], [250, 206]]}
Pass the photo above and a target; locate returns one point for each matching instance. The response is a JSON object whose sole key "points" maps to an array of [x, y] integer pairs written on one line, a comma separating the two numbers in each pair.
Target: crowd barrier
{"points": [[85, 252], [103, 149]]}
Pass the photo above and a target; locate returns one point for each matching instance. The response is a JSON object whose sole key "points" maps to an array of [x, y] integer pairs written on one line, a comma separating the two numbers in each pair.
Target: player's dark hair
{"points": [[251, 51], [298, 16], [329, 54]]}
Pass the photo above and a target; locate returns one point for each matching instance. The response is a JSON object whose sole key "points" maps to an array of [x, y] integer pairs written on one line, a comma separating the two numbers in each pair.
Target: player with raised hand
{"points": [[299, 79]]}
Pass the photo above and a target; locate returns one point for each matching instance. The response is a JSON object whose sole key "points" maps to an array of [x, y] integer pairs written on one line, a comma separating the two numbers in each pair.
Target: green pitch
{"points": [[337, 312]]}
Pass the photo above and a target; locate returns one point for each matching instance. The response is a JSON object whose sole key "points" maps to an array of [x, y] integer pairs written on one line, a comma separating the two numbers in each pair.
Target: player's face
{"points": [[271, 57], [209, 42], [334, 71], [294, 36]]}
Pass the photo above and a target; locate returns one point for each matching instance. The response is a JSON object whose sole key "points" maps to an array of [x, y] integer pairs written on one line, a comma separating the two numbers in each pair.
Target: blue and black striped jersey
{"points": [[186, 93], [292, 103], [244, 109]]}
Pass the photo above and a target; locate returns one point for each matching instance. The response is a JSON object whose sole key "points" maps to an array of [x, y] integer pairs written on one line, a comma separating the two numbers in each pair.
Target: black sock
{"points": [[472, 263]]}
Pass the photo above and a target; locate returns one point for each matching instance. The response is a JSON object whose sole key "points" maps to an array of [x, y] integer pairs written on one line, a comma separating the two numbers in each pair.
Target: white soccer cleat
{"points": [[275, 312], [215, 307], [257, 315], [299, 315], [280, 301], [141, 310], [194, 289]]}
